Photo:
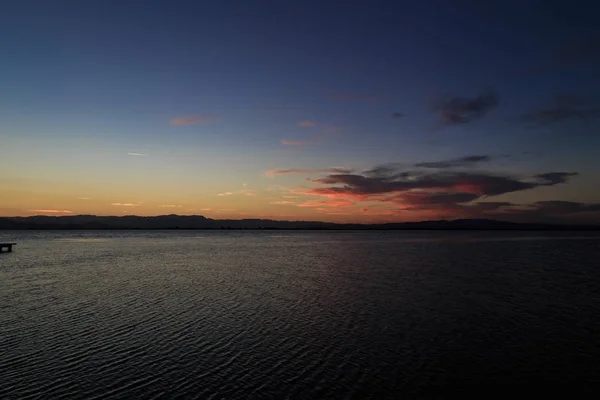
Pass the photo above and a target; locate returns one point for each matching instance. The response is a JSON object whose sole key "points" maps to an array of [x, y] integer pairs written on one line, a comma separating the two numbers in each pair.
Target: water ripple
{"points": [[357, 315]]}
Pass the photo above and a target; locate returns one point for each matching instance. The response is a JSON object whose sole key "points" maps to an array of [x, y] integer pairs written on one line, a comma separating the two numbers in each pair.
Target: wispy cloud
{"points": [[84, 198], [331, 129], [53, 211], [369, 184], [248, 192], [333, 170], [565, 108], [397, 115], [335, 203], [454, 110], [277, 188], [444, 193], [322, 128], [566, 207], [138, 154], [193, 119], [126, 204], [206, 209], [292, 143], [225, 194], [375, 213], [330, 211], [170, 206], [345, 96], [467, 161], [445, 189]]}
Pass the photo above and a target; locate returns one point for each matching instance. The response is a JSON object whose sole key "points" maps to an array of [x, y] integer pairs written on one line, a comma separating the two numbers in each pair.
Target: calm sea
{"points": [[274, 315]]}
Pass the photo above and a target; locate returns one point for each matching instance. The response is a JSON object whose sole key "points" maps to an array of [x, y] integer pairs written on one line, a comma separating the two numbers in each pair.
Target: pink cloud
{"points": [[366, 211], [329, 211], [292, 143], [329, 203], [193, 119], [332, 192], [281, 203], [249, 192], [307, 124], [438, 190]]}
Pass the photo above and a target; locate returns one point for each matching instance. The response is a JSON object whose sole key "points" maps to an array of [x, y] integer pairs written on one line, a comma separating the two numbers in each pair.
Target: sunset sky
{"points": [[354, 111]]}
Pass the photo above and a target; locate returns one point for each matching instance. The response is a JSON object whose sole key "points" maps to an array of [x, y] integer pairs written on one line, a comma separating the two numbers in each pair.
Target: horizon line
{"points": [[566, 224]]}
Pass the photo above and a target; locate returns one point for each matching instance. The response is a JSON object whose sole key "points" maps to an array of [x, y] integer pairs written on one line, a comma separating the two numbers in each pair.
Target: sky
{"points": [[354, 111]]}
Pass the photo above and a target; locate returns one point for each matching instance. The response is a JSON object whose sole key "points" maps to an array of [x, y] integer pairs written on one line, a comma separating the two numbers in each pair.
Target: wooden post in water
{"points": [[7, 246]]}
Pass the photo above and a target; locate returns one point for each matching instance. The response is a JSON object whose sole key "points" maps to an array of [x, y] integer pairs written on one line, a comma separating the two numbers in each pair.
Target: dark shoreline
{"points": [[197, 222], [366, 229]]}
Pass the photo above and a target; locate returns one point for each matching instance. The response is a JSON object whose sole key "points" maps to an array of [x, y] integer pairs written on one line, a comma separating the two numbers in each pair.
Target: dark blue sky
{"points": [[213, 93]]}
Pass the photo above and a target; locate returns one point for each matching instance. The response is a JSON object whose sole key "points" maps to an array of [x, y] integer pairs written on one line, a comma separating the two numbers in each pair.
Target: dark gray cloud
{"points": [[444, 198], [442, 192], [389, 170], [565, 207], [554, 178], [385, 180], [564, 108], [550, 211], [453, 110], [397, 115], [427, 198], [332, 170], [398, 170], [459, 206], [462, 205], [466, 161], [541, 211], [486, 206]]}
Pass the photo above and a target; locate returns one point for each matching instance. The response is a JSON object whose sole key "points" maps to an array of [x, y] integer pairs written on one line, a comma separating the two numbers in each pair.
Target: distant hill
{"points": [[200, 222]]}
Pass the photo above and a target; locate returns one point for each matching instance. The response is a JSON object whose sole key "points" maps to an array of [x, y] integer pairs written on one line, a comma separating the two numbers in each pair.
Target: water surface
{"points": [[205, 314]]}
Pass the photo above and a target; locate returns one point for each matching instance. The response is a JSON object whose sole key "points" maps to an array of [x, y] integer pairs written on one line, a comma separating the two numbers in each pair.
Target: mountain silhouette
{"points": [[200, 222]]}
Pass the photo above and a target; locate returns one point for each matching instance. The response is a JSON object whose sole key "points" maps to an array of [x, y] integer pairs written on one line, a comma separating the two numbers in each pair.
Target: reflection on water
{"points": [[485, 237], [297, 314], [82, 240]]}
